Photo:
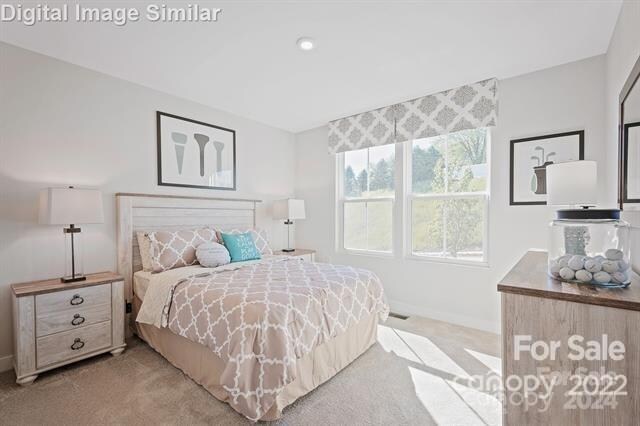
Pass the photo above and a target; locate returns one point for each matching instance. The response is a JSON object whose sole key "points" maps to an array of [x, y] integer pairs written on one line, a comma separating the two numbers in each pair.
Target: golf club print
{"points": [[179, 140], [202, 142], [219, 146]]}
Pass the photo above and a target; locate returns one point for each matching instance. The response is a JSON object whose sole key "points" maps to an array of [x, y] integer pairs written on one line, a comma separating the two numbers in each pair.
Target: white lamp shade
{"points": [[289, 209], [65, 206], [572, 183]]}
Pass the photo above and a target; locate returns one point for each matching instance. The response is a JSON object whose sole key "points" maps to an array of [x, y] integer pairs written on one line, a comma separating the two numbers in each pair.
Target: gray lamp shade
{"points": [[64, 206]]}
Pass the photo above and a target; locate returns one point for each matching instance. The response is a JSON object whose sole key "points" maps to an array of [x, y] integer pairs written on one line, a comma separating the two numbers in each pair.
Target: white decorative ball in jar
{"points": [[584, 276]]}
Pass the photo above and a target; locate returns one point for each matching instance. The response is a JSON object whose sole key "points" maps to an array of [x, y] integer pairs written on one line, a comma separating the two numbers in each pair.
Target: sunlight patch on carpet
{"points": [[390, 342], [492, 362], [430, 354], [443, 403]]}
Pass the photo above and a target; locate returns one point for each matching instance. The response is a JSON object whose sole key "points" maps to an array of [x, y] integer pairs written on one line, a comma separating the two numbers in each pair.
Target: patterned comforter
{"points": [[261, 318]]}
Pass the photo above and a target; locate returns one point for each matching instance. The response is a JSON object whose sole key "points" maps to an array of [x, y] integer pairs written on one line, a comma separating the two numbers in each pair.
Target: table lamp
{"points": [[290, 210], [71, 206], [574, 184]]}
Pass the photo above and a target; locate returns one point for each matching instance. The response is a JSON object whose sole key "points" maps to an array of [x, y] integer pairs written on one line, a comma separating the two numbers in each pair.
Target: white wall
{"points": [[61, 124], [564, 98], [623, 52]]}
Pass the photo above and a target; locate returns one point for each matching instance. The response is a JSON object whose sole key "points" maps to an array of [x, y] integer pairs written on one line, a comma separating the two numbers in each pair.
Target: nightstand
{"points": [[304, 254], [57, 323]]}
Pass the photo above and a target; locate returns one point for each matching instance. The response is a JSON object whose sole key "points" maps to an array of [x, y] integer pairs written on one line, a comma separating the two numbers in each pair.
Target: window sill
{"points": [[446, 260], [414, 257], [366, 253]]}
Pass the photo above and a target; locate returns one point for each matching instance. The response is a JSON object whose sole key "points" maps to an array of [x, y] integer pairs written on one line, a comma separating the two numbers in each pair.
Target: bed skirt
{"points": [[204, 367]]}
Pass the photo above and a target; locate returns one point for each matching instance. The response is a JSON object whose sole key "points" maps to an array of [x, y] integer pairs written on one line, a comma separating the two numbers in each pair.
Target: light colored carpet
{"points": [[419, 373]]}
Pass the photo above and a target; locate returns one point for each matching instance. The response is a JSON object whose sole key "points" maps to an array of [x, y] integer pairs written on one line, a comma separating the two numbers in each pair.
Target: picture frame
{"points": [[195, 154], [529, 158], [628, 114], [631, 145]]}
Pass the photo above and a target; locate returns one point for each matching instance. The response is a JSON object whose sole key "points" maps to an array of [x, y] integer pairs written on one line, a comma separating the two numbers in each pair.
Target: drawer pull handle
{"points": [[77, 344], [76, 300], [77, 320]]}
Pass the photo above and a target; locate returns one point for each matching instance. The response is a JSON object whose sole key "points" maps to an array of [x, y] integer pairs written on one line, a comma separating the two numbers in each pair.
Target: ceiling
{"points": [[368, 54]]}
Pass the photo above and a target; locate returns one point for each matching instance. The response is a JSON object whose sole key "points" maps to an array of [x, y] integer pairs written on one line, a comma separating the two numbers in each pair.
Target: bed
{"points": [[257, 335]]}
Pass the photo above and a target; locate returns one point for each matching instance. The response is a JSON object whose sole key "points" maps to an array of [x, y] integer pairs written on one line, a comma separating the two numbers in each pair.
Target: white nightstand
{"points": [[56, 323], [308, 255]]}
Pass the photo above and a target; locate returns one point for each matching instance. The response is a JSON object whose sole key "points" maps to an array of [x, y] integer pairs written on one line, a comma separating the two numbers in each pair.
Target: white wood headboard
{"points": [[150, 212]]}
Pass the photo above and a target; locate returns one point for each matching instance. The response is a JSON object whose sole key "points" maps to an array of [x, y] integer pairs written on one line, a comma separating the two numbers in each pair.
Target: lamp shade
{"points": [[572, 183], [289, 209], [64, 206]]}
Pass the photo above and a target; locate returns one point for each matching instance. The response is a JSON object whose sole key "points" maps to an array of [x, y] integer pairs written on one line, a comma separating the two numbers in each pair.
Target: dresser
{"points": [[304, 254], [576, 347], [57, 323]]}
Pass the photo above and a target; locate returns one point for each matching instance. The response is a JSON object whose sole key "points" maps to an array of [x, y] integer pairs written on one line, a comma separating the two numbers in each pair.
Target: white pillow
{"points": [[144, 246], [212, 255]]}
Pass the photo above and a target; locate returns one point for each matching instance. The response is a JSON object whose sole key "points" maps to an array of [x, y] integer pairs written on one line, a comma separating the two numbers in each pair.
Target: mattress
{"points": [[141, 283]]}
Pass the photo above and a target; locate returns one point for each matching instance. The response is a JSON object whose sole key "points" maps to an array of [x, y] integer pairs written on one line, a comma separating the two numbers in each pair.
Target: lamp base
{"points": [[288, 250], [73, 252], [73, 279]]}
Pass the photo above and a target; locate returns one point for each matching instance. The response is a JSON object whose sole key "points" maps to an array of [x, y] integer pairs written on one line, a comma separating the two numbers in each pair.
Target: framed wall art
{"points": [[631, 167], [530, 158], [194, 154], [629, 141]]}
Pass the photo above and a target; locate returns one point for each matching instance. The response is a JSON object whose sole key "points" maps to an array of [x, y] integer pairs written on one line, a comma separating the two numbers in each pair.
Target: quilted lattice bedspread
{"points": [[261, 318]]}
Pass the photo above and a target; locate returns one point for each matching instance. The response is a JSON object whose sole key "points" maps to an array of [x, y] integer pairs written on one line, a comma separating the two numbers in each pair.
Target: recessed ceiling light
{"points": [[305, 43]]}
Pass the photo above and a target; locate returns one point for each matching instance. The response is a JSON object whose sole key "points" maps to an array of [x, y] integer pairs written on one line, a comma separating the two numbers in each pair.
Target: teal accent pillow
{"points": [[241, 247]]}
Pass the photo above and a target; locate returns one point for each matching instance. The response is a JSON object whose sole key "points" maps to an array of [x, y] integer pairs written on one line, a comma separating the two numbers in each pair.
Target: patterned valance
{"points": [[467, 107]]}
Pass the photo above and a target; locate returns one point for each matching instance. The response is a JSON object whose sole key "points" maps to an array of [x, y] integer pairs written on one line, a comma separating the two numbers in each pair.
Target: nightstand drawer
{"points": [[73, 299], [70, 344], [70, 319]]}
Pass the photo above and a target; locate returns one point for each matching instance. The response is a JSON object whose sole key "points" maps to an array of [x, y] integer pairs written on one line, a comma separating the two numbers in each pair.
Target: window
{"points": [[444, 185], [367, 194], [448, 196]]}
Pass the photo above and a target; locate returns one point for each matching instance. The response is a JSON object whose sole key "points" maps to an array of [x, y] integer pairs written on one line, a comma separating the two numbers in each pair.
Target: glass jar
{"points": [[590, 246]]}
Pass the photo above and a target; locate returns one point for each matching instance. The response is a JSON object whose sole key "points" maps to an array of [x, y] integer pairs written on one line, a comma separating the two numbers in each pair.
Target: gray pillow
{"points": [[211, 255]]}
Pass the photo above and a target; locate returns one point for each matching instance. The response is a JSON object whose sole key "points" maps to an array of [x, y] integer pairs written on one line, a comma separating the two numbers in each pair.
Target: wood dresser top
{"points": [[50, 286], [529, 277]]}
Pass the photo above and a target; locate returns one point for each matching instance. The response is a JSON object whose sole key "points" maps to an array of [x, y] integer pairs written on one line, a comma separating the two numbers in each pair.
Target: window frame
{"points": [[401, 208], [341, 200], [409, 197]]}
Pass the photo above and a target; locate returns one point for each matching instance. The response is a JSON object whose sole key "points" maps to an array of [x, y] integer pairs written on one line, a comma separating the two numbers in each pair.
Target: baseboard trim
{"points": [[6, 363], [465, 321]]}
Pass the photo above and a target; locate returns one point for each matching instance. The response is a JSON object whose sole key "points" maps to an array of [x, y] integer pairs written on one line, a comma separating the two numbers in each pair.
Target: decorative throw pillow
{"points": [[241, 247], [212, 255], [259, 238], [175, 249], [144, 246]]}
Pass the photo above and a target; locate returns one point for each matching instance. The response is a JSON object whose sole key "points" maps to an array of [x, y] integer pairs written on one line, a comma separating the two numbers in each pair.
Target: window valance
{"points": [[466, 107]]}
